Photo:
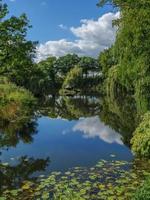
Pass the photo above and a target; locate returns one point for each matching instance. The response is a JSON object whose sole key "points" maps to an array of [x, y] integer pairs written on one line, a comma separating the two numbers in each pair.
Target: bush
{"points": [[15, 102], [143, 193], [141, 138]]}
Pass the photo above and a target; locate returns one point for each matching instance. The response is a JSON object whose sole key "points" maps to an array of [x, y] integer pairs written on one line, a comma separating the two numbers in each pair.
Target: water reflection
{"points": [[120, 113], [13, 176], [70, 108], [11, 133], [92, 127], [117, 112], [108, 123]]}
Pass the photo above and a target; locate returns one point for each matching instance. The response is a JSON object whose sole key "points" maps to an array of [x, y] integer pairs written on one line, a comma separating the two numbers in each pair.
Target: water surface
{"points": [[67, 132]]}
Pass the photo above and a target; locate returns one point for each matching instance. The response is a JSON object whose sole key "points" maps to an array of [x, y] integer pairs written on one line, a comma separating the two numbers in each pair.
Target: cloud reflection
{"points": [[92, 127]]}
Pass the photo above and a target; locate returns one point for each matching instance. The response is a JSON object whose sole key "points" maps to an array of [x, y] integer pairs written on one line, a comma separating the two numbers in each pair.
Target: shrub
{"points": [[15, 102], [143, 193], [141, 138]]}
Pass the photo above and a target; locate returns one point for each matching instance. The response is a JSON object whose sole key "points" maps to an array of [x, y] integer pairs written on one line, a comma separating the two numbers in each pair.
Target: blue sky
{"points": [[46, 16], [52, 19]]}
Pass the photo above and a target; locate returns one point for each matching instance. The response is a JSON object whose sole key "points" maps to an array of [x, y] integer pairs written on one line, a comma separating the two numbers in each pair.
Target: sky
{"points": [[67, 26]]}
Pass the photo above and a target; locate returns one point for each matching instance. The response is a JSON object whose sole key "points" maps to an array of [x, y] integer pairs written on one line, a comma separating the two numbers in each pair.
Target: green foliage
{"points": [[89, 65], [130, 53], [142, 94], [68, 194], [83, 77], [53, 73], [141, 137], [133, 41], [16, 114], [73, 79], [143, 193], [3, 10], [112, 83], [125, 3], [16, 52], [65, 63], [106, 61], [126, 66], [14, 101], [45, 80]]}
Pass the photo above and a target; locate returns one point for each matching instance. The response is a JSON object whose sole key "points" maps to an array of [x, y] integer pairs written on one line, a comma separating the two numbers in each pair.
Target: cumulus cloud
{"points": [[56, 48], [92, 127], [92, 37]]}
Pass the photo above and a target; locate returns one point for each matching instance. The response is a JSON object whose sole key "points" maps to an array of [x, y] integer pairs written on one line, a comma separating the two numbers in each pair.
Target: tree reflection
{"points": [[13, 129], [11, 134], [120, 113], [13, 176], [69, 107], [17, 123]]}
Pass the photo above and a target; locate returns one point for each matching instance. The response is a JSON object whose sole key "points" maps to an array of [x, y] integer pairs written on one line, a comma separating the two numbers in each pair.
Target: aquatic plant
{"points": [[107, 180]]}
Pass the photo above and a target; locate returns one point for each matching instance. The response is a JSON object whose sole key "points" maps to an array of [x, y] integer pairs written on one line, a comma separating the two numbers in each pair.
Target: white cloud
{"points": [[92, 37], [56, 48], [92, 127], [62, 26]]}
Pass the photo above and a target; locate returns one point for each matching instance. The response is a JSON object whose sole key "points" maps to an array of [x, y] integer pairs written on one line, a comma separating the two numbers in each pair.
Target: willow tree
{"points": [[131, 49], [73, 79]]}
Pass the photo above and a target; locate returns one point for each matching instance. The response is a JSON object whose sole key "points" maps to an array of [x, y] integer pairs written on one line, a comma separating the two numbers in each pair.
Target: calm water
{"points": [[68, 144], [65, 133]]}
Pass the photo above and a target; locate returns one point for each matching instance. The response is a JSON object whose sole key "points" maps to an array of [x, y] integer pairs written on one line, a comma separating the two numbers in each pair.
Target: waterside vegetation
{"points": [[120, 74]]}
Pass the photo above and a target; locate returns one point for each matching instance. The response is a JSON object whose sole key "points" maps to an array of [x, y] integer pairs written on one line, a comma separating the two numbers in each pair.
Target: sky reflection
{"points": [[92, 127]]}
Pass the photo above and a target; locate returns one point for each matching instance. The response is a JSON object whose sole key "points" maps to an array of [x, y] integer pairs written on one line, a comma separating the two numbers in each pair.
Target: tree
{"points": [[88, 65], [47, 67], [131, 49], [16, 52], [73, 79], [65, 63], [132, 63], [45, 77], [106, 61]]}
